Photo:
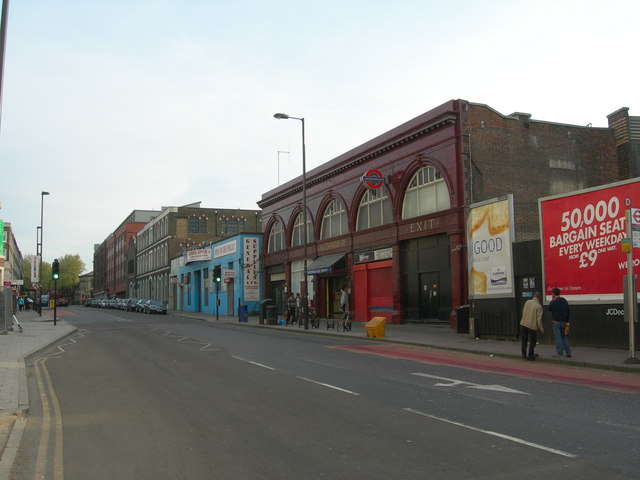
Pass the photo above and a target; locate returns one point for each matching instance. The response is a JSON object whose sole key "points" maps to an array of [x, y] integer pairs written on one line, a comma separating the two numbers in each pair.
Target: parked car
{"points": [[62, 302], [155, 306], [139, 307], [88, 302], [130, 306]]}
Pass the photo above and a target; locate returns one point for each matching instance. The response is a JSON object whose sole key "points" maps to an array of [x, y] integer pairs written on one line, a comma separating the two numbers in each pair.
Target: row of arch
{"points": [[155, 287], [426, 192]]}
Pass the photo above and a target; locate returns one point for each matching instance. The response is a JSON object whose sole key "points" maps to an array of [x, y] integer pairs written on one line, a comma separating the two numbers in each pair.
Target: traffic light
{"points": [[217, 274], [55, 269]]}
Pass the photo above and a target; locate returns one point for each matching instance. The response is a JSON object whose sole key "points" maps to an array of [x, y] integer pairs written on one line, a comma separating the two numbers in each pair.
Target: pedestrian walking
{"points": [[560, 312], [20, 304], [530, 323]]}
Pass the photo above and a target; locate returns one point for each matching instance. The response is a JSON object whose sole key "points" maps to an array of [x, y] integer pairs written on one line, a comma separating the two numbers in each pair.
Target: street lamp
{"points": [[305, 304], [39, 251]]}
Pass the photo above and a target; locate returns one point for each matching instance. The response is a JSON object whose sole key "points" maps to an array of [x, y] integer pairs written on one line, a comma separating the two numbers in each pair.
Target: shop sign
{"points": [[199, 255], [224, 249], [374, 255], [277, 277]]}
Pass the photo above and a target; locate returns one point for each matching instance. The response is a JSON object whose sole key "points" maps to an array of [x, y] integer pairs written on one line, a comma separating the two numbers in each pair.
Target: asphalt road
{"points": [[160, 397]]}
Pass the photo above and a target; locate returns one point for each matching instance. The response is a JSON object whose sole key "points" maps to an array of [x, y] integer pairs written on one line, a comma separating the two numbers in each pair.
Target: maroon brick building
{"points": [[400, 249]]}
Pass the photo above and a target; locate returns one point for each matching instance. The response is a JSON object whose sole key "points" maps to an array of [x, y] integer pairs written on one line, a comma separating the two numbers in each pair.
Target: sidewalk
{"points": [[38, 333], [444, 337]]}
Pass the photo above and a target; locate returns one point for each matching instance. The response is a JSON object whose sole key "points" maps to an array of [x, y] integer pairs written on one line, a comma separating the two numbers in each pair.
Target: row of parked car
{"points": [[139, 305]]}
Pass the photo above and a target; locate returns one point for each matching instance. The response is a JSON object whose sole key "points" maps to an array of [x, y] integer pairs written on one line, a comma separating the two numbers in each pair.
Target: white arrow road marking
{"points": [[454, 383]]}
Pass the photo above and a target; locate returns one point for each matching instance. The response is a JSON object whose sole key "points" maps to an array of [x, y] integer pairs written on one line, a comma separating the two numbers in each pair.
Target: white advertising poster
{"points": [[35, 268], [489, 237], [251, 270]]}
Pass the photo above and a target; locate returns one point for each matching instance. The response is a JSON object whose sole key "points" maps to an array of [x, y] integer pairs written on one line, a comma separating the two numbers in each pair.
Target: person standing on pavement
{"points": [[344, 299], [560, 312], [530, 323], [291, 309]]}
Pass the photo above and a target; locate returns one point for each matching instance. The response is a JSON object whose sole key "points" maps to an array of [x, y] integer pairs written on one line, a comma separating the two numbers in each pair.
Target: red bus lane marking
{"points": [[600, 379]]}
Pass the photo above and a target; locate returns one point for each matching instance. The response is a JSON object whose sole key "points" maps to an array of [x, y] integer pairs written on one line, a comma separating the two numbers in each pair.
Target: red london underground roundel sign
{"points": [[373, 179]]}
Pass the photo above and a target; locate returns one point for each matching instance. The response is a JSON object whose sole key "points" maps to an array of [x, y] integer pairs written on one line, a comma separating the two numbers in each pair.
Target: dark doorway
{"points": [[429, 295], [426, 279]]}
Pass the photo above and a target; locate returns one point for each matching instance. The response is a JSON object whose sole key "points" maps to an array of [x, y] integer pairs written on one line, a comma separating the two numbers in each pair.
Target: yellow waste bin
{"points": [[375, 327]]}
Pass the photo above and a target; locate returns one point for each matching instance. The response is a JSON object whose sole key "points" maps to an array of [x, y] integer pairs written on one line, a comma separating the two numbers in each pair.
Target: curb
{"points": [[571, 363]]}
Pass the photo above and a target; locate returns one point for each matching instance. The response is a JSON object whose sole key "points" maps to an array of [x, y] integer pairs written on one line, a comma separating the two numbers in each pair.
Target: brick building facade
{"points": [[410, 264]]}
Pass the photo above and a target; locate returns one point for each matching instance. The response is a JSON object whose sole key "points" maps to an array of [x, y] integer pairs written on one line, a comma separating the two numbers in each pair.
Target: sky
{"points": [[121, 105]]}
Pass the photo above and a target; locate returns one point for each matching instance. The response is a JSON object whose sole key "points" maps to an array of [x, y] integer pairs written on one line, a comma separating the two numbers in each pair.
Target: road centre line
{"points": [[253, 363], [329, 386], [495, 434]]}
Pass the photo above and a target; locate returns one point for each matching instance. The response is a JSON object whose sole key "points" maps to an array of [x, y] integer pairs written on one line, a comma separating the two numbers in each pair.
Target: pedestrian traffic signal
{"points": [[55, 270], [217, 277]]}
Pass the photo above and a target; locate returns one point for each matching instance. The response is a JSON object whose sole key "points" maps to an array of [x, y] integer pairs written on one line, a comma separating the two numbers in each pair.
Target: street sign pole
{"points": [[631, 302]]}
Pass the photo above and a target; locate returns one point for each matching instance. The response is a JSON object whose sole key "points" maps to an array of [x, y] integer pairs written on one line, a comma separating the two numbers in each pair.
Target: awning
{"points": [[324, 264]]}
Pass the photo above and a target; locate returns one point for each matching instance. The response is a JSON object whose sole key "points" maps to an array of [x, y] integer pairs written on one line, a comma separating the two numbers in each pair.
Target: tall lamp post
{"points": [[39, 252], [305, 304]]}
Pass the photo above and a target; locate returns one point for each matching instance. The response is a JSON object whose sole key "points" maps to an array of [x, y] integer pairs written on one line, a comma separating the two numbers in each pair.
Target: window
{"points": [[197, 225], [427, 193], [297, 237], [276, 238], [232, 225], [374, 210], [334, 221], [297, 276]]}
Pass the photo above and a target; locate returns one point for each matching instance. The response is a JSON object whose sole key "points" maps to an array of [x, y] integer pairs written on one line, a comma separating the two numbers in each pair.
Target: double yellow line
{"points": [[51, 429]]}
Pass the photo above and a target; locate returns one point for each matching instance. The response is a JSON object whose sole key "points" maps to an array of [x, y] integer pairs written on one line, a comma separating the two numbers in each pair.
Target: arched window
{"points": [[374, 210], [427, 193], [334, 220], [297, 236], [276, 238]]}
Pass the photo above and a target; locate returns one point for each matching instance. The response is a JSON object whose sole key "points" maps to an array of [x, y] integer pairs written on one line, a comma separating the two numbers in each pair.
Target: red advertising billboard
{"points": [[581, 235]]}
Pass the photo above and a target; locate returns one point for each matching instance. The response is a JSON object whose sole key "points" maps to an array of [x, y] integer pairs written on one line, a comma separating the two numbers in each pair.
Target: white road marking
{"points": [[253, 363], [495, 434], [454, 383], [329, 386]]}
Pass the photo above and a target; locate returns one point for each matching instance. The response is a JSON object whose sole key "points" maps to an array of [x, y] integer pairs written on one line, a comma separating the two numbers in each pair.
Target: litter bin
{"points": [[462, 318], [375, 327], [263, 310], [243, 314], [272, 315]]}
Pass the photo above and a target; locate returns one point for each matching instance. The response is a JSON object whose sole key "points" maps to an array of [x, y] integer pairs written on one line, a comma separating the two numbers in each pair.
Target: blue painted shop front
{"points": [[237, 260]]}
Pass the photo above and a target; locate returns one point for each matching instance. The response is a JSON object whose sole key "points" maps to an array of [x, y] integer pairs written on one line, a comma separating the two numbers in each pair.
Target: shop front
{"points": [[220, 278]]}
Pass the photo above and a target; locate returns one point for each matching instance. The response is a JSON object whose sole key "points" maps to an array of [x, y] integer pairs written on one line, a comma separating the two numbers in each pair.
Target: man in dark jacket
{"points": [[559, 308]]}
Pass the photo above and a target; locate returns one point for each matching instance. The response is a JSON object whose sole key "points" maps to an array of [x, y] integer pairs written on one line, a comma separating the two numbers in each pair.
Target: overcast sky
{"points": [[118, 105]]}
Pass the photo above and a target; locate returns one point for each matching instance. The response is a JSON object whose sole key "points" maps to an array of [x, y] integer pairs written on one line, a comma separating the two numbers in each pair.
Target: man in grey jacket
{"points": [[530, 324]]}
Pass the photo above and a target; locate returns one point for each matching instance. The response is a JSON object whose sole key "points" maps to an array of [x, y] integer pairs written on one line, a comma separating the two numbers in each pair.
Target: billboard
{"points": [[581, 234], [490, 235]]}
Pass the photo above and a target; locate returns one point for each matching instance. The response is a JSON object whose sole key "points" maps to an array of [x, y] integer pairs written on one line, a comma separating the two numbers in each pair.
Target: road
{"points": [[133, 396]]}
